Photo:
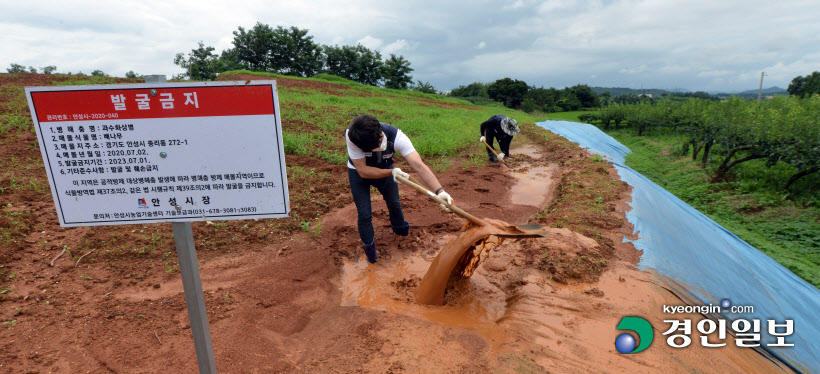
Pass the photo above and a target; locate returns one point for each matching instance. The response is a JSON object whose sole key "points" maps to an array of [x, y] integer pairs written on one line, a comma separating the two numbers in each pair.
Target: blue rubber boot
{"points": [[403, 230], [370, 252]]}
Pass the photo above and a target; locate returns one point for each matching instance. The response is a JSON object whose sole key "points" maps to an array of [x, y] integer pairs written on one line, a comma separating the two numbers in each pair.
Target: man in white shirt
{"points": [[370, 147]]}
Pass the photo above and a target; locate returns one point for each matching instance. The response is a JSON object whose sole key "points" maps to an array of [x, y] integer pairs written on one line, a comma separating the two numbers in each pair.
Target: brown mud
{"points": [[460, 257], [283, 296]]}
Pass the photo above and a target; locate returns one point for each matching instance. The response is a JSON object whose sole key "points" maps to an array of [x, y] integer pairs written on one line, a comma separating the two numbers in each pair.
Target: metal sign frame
{"points": [[106, 165]]}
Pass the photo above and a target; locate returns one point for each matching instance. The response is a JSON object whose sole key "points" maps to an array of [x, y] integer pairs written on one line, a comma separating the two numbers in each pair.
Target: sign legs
{"points": [[194, 297]]}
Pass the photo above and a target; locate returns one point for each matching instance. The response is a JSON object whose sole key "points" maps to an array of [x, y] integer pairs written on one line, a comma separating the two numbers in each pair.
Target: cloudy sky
{"points": [[709, 45]]}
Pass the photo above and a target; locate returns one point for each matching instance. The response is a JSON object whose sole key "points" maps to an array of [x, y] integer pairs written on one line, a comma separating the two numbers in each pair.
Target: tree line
{"points": [[292, 51], [782, 129], [51, 69], [517, 94]]}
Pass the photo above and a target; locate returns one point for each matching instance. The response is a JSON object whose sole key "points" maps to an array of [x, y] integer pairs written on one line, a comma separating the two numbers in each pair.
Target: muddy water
{"points": [[526, 149], [533, 186], [453, 254], [390, 288], [415, 287]]}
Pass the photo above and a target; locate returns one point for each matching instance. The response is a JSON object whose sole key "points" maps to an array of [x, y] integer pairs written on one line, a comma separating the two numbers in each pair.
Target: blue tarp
{"points": [[712, 264]]}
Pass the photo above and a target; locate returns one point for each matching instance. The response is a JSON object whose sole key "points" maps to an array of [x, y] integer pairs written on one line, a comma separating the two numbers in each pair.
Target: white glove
{"points": [[397, 172], [501, 156], [481, 139], [446, 197]]}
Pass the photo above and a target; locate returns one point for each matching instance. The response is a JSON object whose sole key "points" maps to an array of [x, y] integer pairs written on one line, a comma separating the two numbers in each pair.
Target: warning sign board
{"points": [[162, 152]]}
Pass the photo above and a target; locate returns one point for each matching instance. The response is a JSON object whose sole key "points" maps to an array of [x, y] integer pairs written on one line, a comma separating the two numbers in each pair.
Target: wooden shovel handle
{"points": [[495, 153], [439, 200]]}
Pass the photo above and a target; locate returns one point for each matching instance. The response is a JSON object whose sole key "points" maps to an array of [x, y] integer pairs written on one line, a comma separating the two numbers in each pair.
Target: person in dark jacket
{"points": [[502, 128], [371, 146]]}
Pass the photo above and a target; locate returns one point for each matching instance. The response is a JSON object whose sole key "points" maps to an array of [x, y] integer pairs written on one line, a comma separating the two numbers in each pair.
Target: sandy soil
{"points": [[284, 299]]}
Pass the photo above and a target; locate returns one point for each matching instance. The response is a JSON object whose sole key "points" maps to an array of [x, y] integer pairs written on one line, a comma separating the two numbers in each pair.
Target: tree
{"points": [[229, 60], [805, 86], [98, 73], [586, 97], [543, 99], [341, 61], [397, 72], [253, 47], [508, 91], [475, 89], [201, 63], [702, 95], [369, 66], [424, 87], [49, 69], [605, 98], [358, 63], [281, 50], [16, 68], [293, 52], [567, 101], [132, 74]]}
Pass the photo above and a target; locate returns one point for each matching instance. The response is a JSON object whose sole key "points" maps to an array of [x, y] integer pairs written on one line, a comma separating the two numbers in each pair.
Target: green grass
{"points": [[14, 226], [80, 80], [15, 114], [566, 116], [782, 224], [314, 121]]}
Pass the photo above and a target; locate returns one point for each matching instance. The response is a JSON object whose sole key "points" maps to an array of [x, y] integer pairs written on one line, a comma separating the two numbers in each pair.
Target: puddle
{"points": [[533, 185], [391, 288], [526, 149]]}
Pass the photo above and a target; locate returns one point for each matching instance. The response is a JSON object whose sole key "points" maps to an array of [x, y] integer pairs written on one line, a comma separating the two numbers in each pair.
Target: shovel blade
{"points": [[529, 231], [532, 227]]}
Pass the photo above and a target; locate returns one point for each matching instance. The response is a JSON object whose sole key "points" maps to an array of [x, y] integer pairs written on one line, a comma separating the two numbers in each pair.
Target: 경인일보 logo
{"points": [[626, 343]]}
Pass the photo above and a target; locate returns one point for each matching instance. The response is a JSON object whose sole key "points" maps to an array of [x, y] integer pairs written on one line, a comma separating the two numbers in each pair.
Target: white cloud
{"points": [[692, 44], [634, 69], [370, 42], [515, 5], [395, 47], [714, 73]]}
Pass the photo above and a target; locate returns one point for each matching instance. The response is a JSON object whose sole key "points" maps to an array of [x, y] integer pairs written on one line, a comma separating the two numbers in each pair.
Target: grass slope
{"points": [[784, 225], [314, 120]]}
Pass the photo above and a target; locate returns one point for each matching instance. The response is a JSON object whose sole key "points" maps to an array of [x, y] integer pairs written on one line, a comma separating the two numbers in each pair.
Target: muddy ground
{"points": [[297, 295]]}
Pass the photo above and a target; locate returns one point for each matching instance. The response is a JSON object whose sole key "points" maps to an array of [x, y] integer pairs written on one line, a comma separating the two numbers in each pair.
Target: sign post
{"points": [[164, 152], [192, 285], [194, 297]]}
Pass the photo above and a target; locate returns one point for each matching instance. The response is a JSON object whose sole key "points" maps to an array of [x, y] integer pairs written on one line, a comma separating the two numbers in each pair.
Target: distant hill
{"points": [[753, 93], [619, 91], [656, 92]]}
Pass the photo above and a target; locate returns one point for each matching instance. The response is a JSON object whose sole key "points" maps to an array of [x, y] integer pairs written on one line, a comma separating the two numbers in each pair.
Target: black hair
{"points": [[365, 132]]}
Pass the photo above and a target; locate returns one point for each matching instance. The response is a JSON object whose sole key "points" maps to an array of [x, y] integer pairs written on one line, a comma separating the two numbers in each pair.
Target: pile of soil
{"points": [[274, 289]]}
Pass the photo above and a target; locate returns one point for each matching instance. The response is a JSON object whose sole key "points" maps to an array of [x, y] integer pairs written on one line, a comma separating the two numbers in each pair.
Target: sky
{"points": [[691, 45]]}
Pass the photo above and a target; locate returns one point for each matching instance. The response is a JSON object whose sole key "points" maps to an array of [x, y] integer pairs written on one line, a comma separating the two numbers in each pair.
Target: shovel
{"points": [[462, 256], [521, 231], [495, 153]]}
